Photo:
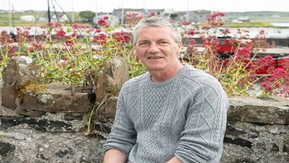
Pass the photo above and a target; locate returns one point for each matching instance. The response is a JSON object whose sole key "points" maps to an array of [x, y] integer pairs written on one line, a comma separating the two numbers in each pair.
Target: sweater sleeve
{"points": [[203, 134], [123, 134]]}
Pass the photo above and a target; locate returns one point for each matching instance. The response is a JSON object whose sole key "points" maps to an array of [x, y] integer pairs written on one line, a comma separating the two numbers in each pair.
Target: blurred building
{"points": [[27, 18]]}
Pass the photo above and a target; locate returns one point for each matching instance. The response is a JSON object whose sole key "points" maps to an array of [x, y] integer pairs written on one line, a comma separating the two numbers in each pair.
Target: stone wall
{"points": [[51, 126], [257, 131]]}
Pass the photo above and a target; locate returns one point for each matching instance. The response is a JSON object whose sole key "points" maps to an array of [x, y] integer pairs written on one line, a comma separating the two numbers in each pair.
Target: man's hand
{"points": [[174, 160], [114, 156]]}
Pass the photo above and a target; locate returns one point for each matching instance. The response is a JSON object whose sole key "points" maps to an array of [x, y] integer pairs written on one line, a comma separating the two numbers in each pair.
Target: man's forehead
{"points": [[162, 28], [154, 32]]}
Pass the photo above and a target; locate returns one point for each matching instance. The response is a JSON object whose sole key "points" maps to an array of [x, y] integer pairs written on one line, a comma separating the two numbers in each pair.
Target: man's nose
{"points": [[153, 48]]}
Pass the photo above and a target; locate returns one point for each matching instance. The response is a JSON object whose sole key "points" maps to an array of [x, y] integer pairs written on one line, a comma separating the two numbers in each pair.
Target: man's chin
{"points": [[155, 68]]}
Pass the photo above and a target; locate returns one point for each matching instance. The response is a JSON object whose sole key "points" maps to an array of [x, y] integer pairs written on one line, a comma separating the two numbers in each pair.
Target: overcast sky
{"points": [[176, 5]]}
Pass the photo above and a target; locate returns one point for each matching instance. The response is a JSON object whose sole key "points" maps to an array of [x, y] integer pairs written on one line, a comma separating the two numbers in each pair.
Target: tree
{"points": [[173, 16], [87, 16]]}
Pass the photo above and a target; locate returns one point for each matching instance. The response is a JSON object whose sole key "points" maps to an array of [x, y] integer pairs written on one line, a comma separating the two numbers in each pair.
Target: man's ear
{"points": [[134, 53], [180, 45]]}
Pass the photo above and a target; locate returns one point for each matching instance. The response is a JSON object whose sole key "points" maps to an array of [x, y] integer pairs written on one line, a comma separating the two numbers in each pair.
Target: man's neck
{"points": [[161, 76]]}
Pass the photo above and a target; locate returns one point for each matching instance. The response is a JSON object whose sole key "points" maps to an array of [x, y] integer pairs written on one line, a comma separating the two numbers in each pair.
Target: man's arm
{"points": [[202, 137], [114, 156], [122, 137]]}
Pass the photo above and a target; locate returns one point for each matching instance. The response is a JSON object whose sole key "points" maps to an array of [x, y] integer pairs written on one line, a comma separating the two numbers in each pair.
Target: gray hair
{"points": [[155, 21]]}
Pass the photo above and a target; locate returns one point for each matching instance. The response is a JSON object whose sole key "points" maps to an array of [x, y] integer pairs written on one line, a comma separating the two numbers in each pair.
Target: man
{"points": [[173, 113]]}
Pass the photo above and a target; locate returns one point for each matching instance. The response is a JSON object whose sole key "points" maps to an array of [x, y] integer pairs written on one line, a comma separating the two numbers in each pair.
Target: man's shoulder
{"points": [[200, 80], [135, 82], [197, 75]]}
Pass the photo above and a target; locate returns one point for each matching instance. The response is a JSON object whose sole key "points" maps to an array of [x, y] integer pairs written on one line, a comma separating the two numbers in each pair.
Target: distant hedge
{"points": [[250, 24]]}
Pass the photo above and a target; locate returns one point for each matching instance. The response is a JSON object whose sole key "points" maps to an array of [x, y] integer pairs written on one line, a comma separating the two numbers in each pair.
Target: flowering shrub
{"points": [[70, 54], [132, 17], [235, 61], [74, 54]]}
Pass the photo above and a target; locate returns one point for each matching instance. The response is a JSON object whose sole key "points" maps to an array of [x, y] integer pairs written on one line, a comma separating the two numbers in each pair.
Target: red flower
{"points": [[60, 32], [225, 31], [206, 43], [275, 80], [36, 46], [102, 22], [264, 65], [152, 14], [215, 14], [11, 51], [101, 39], [192, 32], [267, 86], [122, 37], [133, 15], [192, 42], [243, 54], [97, 30], [283, 63], [279, 73], [69, 43], [70, 39], [77, 26], [227, 47]]}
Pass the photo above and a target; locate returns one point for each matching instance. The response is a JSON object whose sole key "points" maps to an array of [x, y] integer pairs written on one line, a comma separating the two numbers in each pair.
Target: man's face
{"points": [[156, 48]]}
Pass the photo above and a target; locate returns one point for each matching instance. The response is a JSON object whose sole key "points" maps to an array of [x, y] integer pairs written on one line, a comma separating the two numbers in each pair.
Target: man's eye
{"points": [[163, 42], [143, 43]]}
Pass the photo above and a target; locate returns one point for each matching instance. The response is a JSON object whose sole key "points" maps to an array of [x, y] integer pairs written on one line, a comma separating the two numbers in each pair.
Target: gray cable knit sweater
{"points": [[183, 117]]}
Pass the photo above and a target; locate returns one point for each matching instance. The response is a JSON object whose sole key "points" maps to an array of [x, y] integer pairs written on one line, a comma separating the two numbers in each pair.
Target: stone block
{"points": [[56, 100], [6, 148], [19, 71], [9, 96], [107, 111], [111, 78], [259, 111]]}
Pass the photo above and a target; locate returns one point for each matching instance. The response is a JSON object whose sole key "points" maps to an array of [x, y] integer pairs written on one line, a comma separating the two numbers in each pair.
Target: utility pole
{"points": [[122, 12], [72, 11], [48, 13], [11, 12], [188, 12], [11, 21], [96, 9]]}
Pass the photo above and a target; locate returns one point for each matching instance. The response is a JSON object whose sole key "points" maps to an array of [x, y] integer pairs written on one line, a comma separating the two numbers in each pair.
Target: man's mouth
{"points": [[154, 57]]}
